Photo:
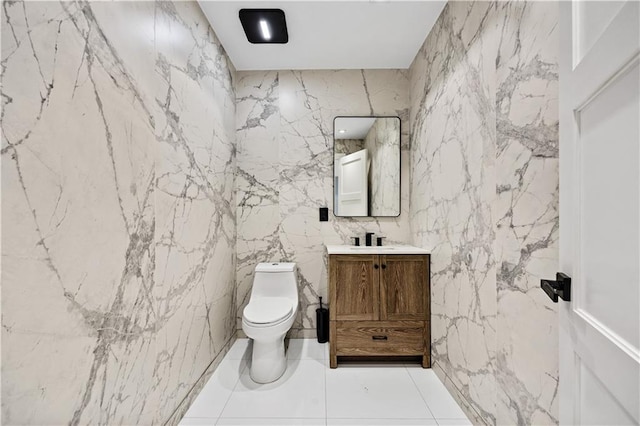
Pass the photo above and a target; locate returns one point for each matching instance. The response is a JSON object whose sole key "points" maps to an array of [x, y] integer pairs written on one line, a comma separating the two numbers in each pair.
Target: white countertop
{"points": [[390, 249]]}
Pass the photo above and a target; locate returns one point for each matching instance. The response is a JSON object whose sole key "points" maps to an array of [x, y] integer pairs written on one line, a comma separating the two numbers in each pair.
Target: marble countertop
{"points": [[390, 249]]}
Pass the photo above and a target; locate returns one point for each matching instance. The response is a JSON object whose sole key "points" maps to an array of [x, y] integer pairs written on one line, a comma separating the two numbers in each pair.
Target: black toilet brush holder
{"points": [[322, 323]]}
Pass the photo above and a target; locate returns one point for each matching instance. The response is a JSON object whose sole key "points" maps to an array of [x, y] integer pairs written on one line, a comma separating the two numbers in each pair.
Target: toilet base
{"points": [[268, 360]]}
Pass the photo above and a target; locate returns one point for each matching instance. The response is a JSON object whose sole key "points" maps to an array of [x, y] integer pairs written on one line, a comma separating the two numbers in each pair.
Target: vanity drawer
{"points": [[380, 337]]}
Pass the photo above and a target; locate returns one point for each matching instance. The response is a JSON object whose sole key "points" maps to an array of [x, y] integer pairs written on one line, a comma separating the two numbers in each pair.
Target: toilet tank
{"points": [[275, 279]]}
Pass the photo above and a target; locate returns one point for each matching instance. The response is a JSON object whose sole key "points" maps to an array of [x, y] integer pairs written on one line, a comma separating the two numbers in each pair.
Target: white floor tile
{"points": [[306, 349], [381, 422], [356, 394], [436, 395], [241, 349], [299, 393], [271, 422], [454, 422], [197, 421], [370, 364], [215, 394], [373, 392]]}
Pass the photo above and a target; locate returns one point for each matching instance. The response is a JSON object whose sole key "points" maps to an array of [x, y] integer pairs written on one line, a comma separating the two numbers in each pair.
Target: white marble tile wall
{"points": [[119, 279], [285, 168], [526, 212], [347, 146], [118, 209], [484, 195], [384, 174]]}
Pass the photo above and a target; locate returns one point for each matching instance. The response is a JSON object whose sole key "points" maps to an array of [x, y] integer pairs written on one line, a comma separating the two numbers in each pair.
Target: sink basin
{"points": [[390, 249], [372, 248]]}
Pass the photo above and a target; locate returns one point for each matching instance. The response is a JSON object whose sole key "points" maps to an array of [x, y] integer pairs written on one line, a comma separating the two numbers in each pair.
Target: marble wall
{"points": [[118, 209], [285, 171], [140, 189], [347, 146], [484, 196], [384, 173]]}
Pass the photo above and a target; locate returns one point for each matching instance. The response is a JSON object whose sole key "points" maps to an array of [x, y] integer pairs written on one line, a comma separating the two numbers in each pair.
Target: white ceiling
{"points": [[354, 127], [346, 34]]}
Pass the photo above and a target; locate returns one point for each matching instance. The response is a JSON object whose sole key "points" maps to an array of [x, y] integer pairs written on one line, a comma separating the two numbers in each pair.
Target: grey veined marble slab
{"points": [[484, 195], [118, 185], [285, 171], [392, 249]]}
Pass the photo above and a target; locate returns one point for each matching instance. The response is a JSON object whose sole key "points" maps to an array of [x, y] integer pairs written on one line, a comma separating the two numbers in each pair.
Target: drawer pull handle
{"points": [[379, 337]]}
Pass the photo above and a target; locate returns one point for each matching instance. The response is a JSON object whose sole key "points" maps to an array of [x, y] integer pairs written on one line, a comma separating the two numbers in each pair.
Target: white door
{"points": [[599, 212], [353, 197]]}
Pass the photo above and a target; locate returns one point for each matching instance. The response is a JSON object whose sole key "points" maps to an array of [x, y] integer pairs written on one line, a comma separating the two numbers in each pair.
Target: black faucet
{"points": [[367, 238]]}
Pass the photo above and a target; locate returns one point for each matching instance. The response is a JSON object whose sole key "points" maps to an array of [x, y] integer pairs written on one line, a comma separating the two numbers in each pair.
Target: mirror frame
{"points": [[333, 209]]}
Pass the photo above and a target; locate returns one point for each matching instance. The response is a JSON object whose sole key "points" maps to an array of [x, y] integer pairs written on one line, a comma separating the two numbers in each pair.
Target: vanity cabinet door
{"points": [[355, 287], [404, 289]]}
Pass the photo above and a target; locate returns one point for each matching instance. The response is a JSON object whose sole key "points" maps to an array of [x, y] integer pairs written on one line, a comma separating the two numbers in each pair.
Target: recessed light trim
{"points": [[263, 26]]}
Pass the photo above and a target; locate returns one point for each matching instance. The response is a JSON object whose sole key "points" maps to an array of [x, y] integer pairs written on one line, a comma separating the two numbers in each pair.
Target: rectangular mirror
{"points": [[366, 166]]}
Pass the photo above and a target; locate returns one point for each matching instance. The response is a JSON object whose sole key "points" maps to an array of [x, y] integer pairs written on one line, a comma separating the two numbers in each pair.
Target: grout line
{"points": [[246, 419], [457, 395], [420, 393], [452, 418], [384, 419], [182, 401], [244, 364]]}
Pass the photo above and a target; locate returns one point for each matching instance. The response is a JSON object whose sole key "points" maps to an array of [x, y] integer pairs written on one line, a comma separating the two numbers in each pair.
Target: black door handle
{"points": [[561, 287], [379, 337], [376, 266]]}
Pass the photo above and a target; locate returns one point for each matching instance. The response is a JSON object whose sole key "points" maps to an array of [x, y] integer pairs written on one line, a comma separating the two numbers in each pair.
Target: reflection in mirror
{"points": [[366, 167]]}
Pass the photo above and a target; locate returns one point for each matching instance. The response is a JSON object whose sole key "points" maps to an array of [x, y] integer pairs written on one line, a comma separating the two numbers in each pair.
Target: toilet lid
{"points": [[268, 310]]}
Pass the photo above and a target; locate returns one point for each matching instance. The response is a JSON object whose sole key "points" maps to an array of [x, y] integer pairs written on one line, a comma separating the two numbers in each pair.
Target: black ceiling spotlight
{"points": [[264, 25]]}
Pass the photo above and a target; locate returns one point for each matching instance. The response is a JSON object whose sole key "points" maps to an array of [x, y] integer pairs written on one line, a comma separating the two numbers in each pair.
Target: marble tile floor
{"points": [[310, 393]]}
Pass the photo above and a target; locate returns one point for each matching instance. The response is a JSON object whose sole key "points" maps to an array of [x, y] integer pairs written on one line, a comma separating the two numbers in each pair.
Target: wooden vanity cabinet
{"points": [[379, 306]]}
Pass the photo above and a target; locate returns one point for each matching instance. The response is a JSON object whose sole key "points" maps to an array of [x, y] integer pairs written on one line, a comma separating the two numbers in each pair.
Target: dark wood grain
{"points": [[356, 292], [333, 338], [390, 302], [426, 353], [399, 338], [404, 289]]}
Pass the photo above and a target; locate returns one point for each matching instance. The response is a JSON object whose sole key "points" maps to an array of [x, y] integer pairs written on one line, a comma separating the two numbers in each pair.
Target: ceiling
{"points": [[329, 34], [354, 127]]}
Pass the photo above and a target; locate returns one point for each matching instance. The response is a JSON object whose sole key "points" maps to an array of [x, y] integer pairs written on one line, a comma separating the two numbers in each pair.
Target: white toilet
{"points": [[268, 316]]}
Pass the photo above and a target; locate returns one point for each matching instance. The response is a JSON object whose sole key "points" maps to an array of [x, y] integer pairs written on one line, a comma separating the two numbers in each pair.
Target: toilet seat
{"points": [[270, 313], [267, 311]]}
